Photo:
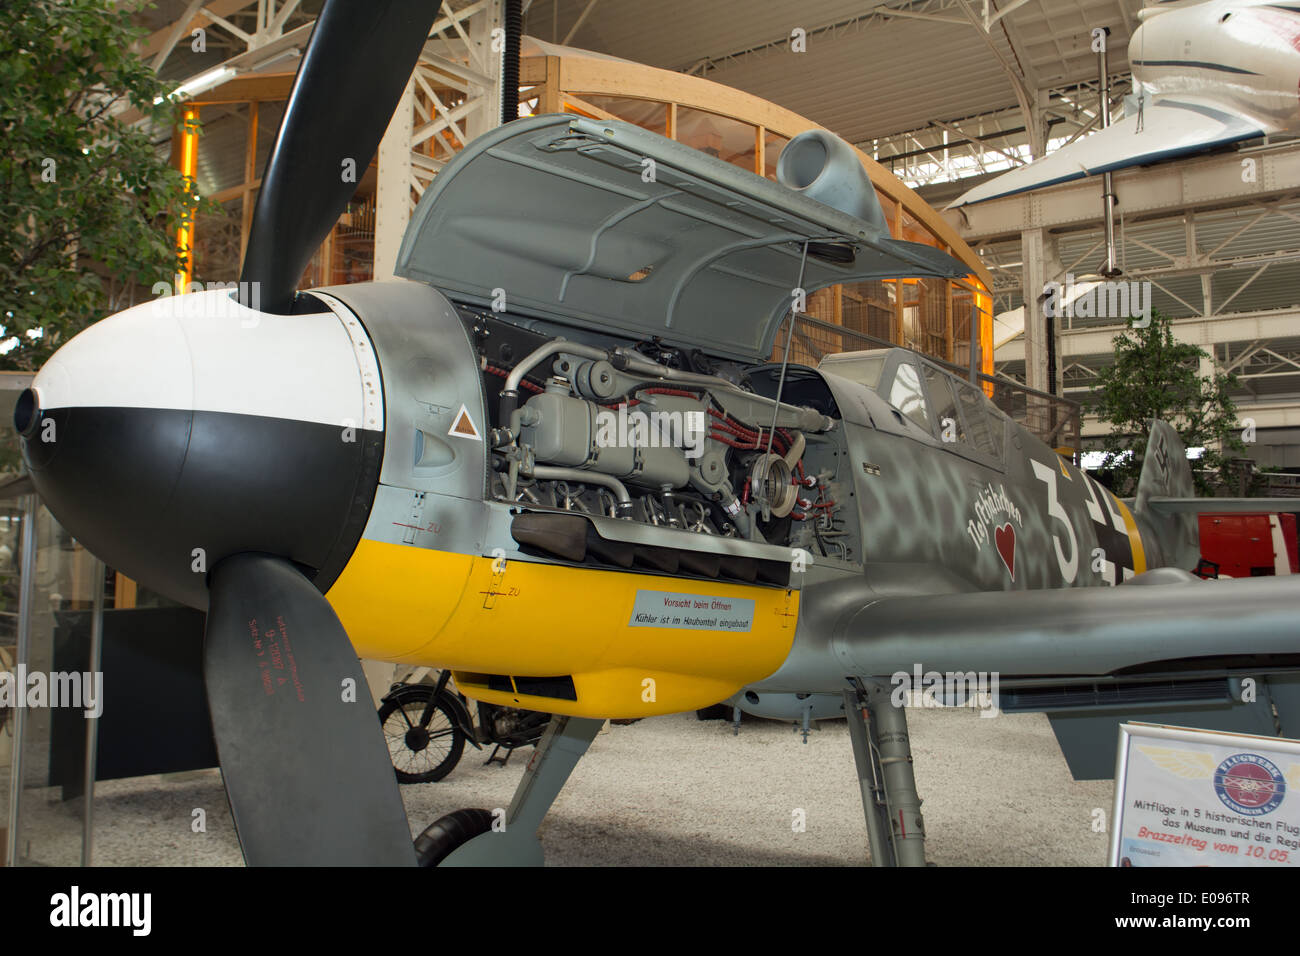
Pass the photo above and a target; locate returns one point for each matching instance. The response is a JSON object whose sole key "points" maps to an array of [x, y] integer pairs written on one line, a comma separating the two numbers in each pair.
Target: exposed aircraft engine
{"points": [[629, 433]]}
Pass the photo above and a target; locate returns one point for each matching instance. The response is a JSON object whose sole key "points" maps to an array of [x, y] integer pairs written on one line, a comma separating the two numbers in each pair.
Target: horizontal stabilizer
{"points": [[1165, 128], [1222, 505], [1088, 737]]}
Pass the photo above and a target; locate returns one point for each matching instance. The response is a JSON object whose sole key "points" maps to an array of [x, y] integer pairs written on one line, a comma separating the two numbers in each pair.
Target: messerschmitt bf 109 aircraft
{"points": [[414, 470], [1204, 75]]}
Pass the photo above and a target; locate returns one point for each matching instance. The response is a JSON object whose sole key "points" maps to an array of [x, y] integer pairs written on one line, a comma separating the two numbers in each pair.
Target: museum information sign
{"points": [[1203, 798]]}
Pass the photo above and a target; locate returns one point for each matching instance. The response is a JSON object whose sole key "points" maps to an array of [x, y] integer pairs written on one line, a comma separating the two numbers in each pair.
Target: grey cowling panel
{"points": [[1076, 631], [555, 212], [429, 369]]}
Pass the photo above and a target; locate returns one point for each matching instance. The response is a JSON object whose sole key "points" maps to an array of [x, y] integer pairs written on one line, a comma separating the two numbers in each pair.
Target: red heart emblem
{"points": [[1004, 538]]}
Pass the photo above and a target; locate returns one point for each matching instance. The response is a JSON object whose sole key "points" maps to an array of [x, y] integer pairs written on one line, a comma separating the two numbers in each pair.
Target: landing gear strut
{"points": [[562, 745], [883, 754]]}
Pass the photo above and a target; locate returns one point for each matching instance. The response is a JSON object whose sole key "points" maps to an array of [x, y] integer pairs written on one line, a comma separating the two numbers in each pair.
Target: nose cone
{"points": [[190, 428]]}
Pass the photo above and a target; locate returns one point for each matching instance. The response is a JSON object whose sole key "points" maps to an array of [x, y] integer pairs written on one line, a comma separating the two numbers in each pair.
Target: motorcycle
{"points": [[426, 726]]}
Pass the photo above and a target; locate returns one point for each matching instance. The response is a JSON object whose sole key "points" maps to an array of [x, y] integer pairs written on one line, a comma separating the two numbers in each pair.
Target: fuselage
{"points": [[1243, 56], [358, 442]]}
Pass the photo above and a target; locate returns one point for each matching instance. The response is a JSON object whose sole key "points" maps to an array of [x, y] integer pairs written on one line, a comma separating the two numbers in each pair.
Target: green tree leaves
{"points": [[85, 196], [1156, 376]]}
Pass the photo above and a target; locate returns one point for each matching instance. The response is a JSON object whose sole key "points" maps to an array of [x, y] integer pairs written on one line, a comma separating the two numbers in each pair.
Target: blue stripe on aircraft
{"points": [[1197, 63]]}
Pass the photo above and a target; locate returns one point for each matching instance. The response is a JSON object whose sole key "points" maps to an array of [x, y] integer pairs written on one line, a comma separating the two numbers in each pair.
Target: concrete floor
{"points": [[678, 791]]}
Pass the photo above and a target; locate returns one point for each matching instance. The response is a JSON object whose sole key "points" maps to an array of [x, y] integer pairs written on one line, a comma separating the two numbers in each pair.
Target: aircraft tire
{"points": [[449, 832]]}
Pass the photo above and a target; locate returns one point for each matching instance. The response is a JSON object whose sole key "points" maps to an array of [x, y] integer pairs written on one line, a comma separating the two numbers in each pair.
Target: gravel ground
{"points": [[679, 791]]}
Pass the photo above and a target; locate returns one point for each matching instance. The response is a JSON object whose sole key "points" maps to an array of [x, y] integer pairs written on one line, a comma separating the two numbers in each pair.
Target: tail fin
{"points": [[1165, 472], [1166, 509], [1166, 476]]}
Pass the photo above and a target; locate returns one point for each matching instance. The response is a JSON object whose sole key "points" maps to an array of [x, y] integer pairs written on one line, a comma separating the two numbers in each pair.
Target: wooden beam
{"points": [[549, 100], [949, 342], [896, 332], [574, 104], [124, 592], [234, 192], [532, 69], [250, 173], [250, 86]]}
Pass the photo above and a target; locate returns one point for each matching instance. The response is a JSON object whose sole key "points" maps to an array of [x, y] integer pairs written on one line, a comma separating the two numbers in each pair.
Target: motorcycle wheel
{"points": [[422, 751]]}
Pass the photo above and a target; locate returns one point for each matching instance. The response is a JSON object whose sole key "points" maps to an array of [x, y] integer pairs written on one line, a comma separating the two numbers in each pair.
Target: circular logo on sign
{"points": [[1249, 784]]}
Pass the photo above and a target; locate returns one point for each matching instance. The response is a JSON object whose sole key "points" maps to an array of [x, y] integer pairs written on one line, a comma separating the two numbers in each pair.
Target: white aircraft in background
{"points": [[1204, 74]]}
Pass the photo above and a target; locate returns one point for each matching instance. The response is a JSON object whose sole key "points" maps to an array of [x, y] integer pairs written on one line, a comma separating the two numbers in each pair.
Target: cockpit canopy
{"points": [[937, 401]]}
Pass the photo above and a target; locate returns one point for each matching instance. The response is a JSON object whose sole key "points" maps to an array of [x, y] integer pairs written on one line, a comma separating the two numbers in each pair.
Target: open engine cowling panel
{"points": [[609, 227]]}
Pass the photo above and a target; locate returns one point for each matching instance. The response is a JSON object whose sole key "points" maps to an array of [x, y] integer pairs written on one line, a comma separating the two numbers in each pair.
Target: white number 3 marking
{"points": [[1070, 568]]}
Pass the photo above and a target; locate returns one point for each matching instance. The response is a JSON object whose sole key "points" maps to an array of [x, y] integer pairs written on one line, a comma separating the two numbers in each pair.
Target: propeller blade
{"points": [[350, 79], [307, 771]]}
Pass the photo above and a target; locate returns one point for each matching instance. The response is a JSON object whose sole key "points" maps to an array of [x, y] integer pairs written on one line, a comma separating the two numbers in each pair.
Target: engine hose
{"points": [[760, 437], [669, 391], [719, 436], [742, 431], [726, 419], [525, 383], [724, 422], [513, 20], [738, 432], [821, 545]]}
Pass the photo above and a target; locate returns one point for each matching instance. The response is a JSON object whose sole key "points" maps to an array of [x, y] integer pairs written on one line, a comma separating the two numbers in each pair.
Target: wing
{"points": [[1070, 631], [1159, 648], [1181, 763], [1169, 128]]}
